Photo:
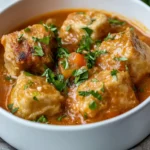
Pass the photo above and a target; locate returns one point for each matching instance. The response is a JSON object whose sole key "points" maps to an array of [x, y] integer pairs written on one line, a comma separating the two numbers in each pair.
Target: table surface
{"points": [[144, 145]]}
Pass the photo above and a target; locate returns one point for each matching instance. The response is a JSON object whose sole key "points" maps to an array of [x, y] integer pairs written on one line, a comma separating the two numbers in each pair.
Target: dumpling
{"points": [[35, 97]]}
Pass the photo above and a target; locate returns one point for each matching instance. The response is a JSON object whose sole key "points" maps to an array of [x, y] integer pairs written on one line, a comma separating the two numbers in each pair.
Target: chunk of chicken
{"points": [[126, 52], [71, 31], [34, 97], [106, 92], [28, 49]]}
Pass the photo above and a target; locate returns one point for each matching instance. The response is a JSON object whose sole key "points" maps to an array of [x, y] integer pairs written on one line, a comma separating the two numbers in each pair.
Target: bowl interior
{"points": [[25, 10]]}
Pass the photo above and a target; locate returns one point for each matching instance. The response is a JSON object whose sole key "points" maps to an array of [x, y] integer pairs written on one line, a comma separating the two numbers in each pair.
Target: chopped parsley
{"points": [[27, 29], [109, 37], [115, 21], [92, 56], [35, 98], [131, 29], [114, 73], [126, 67], [103, 88], [92, 92], [56, 79], [44, 40], [28, 73], [85, 116], [93, 105], [95, 80], [61, 117], [12, 109], [8, 78], [20, 38], [51, 28], [65, 63], [98, 43], [88, 31], [62, 52], [86, 41], [42, 119], [80, 75], [120, 58], [92, 20], [68, 27], [38, 50], [29, 84]]}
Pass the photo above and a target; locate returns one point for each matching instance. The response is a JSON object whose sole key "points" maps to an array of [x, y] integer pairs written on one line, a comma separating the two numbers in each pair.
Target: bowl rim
{"points": [[41, 126]]}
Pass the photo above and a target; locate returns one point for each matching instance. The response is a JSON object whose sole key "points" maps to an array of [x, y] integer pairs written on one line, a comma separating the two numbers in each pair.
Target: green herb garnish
{"points": [[61, 117], [65, 63], [42, 119], [92, 56], [12, 109], [20, 38], [115, 21], [44, 40], [27, 29], [92, 92], [38, 50], [103, 88], [92, 20], [88, 31], [27, 73], [57, 80], [35, 98], [62, 53], [120, 58], [109, 37], [8, 78], [93, 105], [68, 27], [114, 73], [29, 84], [80, 75], [95, 80]]}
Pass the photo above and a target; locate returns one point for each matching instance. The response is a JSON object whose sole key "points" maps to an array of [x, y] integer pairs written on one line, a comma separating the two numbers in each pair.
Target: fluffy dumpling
{"points": [[103, 92], [29, 49], [72, 30], [34, 97], [126, 52]]}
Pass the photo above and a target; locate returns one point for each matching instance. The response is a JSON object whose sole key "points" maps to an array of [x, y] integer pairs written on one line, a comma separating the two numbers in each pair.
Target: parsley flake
{"points": [[27, 29], [38, 50], [120, 58], [68, 27], [93, 105], [57, 80], [61, 117], [109, 37], [20, 38], [115, 21], [88, 31], [12, 109], [80, 76], [65, 63], [114, 73], [92, 92], [42, 119], [62, 52]]}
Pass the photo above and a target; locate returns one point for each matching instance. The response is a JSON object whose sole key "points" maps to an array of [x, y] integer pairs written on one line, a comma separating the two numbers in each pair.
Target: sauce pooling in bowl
{"points": [[74, 67]]}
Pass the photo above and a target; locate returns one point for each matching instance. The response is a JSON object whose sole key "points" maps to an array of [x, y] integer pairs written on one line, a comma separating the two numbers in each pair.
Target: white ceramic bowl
{"points": [[119, 133]]}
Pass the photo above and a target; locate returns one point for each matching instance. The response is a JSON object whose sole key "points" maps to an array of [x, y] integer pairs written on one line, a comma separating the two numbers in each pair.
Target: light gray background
{"points": [[144, 145]]}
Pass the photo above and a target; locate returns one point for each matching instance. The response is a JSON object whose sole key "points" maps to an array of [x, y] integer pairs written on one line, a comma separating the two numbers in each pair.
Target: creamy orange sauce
{"points": [[142, 89]]}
